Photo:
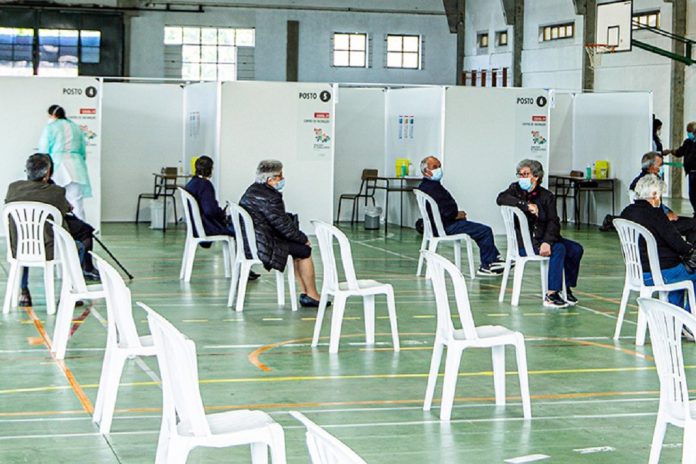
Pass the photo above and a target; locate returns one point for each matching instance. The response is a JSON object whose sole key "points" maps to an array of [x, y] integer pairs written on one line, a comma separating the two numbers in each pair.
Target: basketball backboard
{"points": [[614, 25]]}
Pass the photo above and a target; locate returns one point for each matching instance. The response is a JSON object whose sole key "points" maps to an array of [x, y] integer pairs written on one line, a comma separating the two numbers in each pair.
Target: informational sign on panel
{"points": [[531, 125], [314, 122]]}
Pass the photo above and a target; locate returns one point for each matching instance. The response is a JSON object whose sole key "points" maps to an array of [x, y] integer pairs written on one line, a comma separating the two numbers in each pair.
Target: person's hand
{"points": [[461, 215], [532, 208], [545, 249], [672, 216]]}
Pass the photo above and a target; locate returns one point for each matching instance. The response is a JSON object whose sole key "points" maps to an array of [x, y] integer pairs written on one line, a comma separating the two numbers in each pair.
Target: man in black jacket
{"points": [[277, 233], [539, 205], [688, 152], [455, 221], [671, 247]]}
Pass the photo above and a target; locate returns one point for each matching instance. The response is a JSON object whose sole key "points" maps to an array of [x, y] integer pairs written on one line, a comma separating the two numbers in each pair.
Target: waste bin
{"points": [[156, 213], [372, 215]]}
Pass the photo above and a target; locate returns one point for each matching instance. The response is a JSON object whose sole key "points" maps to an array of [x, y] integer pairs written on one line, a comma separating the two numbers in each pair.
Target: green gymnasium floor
{"points": [[593, 400]]}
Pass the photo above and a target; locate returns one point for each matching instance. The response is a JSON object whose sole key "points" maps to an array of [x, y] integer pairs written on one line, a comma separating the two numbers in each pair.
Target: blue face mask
{"points": [[661, 172], [525, 183], [690, 135], [279, 186], [436, 174]]}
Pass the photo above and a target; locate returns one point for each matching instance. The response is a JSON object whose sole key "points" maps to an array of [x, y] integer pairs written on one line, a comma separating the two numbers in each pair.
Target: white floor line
{"points": [[610, 316], [393, 253]]}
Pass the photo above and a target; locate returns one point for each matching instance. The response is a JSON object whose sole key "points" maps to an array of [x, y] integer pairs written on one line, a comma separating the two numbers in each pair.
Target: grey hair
{"points": [[424, 163], [38, 165], [534, 166], [648, 159], [268, 169], [649, 187]]}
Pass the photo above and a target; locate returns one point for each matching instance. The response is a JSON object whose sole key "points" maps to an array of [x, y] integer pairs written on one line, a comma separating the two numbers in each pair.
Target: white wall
{"points": [[561, 133], [201, 119], [261, 120], [142, 133], [359, 139]]}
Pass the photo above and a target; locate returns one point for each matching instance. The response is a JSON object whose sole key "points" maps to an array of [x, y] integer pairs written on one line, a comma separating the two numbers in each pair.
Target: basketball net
{"points": [[595, 52]]}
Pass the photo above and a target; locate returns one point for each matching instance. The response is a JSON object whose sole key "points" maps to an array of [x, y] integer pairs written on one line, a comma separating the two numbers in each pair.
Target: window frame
{"points": [[557, 31], [418, 53], [365, 50], [482, 40], [637, 18], [499, 35]]}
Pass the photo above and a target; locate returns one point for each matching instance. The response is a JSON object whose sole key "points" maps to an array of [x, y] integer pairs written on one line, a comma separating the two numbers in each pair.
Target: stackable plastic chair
{"points": [[630, 234], [29, 221], [185, 425], [73, 288], [469, 336], [242, 265], [666, 322], [367, 289], [323, 447], [122, 342], [195, 234], [510, 213], [430, 241]]}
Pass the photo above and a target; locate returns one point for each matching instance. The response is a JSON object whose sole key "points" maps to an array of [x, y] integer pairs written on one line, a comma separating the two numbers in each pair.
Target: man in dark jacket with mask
{"points": [[539, 205], [277, 233], [688, 152]]}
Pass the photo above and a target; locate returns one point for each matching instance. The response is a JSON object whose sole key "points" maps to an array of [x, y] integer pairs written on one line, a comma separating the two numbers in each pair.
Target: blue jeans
{"points": [[678, 273], [81, 252], [565, 256], [482, 235]]}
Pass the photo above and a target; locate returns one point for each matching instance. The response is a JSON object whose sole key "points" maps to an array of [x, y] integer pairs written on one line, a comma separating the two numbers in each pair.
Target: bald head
{"points": [[429, 163]]}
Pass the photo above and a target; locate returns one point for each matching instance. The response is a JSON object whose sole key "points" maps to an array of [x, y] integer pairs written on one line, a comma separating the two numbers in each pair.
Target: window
{"points": [[482, 40], [646, 19], [556, 32], [350, 50], [208, 53], [60, 51], [501, 39], [403, 51], [16, 51]]}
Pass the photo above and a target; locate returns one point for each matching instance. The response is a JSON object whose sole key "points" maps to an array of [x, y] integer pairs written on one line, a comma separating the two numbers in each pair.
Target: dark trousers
{"points": [[482, 235], [565, 256], [686, 226], [692, 190]]}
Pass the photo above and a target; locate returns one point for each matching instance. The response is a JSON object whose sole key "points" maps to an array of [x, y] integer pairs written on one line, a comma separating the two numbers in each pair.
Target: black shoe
{"points": [[307, 301], [554, 300], [24, 298], [253, 275], [570, 298], [206, 244], [490, 270], [79, 303], [92, 276], [687, 334]]}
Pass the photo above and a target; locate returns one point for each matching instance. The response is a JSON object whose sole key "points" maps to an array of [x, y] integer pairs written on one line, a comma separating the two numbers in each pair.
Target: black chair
{"points": [[368, 186], [164, 187]]}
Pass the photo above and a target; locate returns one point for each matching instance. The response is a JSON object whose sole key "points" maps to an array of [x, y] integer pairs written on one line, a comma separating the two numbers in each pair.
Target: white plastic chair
{"points": [[666, 321], [630, 234], [242, 265], [430, 242], [73, 288], [122, 342], [193, 218], [323, 447], [184, 423], [513, 254], [367, 289], [29, 222], [469, 336]]}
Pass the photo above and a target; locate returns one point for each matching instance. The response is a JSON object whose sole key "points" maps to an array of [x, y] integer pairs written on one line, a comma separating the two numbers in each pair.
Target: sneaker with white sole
{"points": [[554, 300], [570, 297], [490, 271]]}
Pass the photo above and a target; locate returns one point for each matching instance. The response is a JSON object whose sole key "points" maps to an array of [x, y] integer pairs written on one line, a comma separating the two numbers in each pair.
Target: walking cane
{"points": [[130, 276]]}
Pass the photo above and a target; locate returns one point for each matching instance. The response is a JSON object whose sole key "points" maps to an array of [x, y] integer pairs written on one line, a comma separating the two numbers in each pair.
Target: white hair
{"points": [[268, 169], [424, 163], [650, 187]]}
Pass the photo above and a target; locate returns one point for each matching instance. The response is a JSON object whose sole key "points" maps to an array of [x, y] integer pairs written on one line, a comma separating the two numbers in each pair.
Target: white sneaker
{"points": [[554, 300]]}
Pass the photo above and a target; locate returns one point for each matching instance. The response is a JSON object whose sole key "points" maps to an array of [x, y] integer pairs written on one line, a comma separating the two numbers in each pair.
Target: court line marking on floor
{"points": [[393, 253], [74, 384]]}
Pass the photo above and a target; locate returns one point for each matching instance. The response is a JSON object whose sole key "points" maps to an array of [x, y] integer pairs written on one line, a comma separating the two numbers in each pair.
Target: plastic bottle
{"points": [[588, 172], [180, 169]]}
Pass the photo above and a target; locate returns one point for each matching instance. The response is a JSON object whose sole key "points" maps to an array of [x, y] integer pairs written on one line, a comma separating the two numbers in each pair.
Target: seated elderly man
{"points": [[651, 163], [539, 205], [672, 249], [455, 221], [277, 233], [214, 218]]}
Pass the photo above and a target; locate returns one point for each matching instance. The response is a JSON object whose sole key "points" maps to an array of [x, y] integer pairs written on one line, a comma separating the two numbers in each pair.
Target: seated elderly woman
{"points": [[672, 249], [277, 233], [539, 205]]}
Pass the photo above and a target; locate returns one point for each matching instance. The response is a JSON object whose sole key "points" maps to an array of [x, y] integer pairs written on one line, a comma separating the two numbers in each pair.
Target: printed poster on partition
{"points": [[531, 125], [315, 108]]}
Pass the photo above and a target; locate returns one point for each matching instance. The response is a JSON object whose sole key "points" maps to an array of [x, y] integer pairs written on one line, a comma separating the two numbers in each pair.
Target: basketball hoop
{"points": [[595, 52]]}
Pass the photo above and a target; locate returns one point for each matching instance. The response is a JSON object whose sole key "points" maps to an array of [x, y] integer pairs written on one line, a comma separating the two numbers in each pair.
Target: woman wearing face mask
{"points": [[539, 205], [688, 152], [63, 140], [277, 232], [672, 249], [657, 140]]}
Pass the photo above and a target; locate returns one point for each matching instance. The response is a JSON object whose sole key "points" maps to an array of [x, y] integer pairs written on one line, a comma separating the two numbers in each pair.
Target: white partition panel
{"points": [[414, 125], [142, 133], [487, 132], [359, 138], [25, 101], [615, 127], [201, 129], [291, 122], [561, 133]]}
